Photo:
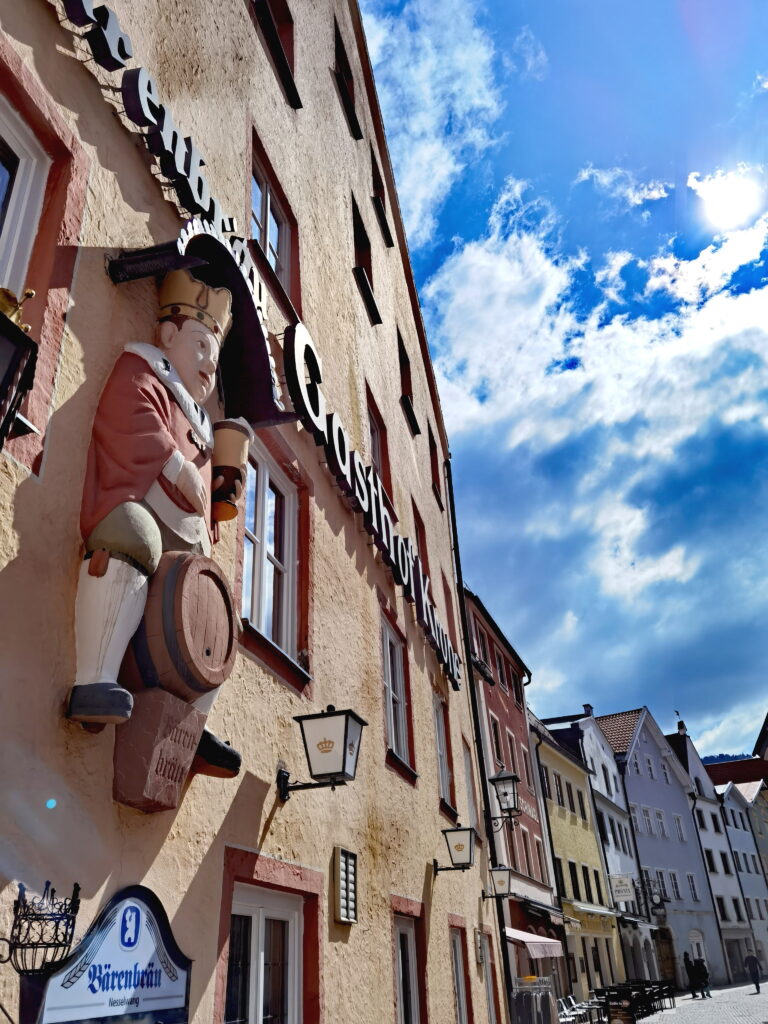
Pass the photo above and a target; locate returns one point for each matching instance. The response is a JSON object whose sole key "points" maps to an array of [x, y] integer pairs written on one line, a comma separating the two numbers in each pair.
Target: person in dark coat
{"points": [[752, 967], [701, 976], [690, 970]]}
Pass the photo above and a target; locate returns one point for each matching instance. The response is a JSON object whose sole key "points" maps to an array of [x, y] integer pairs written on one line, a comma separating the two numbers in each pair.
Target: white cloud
{"points": [[621, 184], [696, 279], [609, 276], [434, 69], [730, 198], [733, 734], [532, 61], [500, 320]]}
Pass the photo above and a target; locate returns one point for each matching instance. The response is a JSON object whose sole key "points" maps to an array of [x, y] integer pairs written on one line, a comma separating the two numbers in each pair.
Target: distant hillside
{"points": [[716, 758]]}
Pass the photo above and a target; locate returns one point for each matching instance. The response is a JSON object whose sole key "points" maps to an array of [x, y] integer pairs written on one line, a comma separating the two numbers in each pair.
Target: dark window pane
{"points": [[9, 164], [405, 979], [238, 971], [274, 1007]]}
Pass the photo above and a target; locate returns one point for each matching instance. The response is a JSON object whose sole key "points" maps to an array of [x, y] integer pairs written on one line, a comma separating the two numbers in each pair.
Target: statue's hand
{"points": [[237, 488], [192, 486]]}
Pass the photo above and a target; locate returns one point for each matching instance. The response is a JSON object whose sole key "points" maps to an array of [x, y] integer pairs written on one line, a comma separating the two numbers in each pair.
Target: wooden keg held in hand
{"points": [[187, 641]]}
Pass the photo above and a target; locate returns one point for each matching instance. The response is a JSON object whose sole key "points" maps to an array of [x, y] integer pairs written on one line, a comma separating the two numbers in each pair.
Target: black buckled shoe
{"points": [[215, 757], [100, 704]]}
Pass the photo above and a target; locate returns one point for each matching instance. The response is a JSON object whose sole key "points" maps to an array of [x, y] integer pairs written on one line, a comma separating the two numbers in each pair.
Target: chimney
{"points": [[589, 710], [682, 731]]}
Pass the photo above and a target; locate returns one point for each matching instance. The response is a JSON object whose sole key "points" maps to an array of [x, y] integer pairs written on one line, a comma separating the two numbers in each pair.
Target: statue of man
{"points": [[148, 490]]}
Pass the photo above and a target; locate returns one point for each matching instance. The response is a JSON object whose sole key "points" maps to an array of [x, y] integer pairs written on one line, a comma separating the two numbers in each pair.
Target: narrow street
{"points": [[737, 1004]]}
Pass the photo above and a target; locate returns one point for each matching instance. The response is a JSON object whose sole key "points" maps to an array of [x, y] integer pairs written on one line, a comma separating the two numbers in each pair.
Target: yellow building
{"points": [[594, 948]]}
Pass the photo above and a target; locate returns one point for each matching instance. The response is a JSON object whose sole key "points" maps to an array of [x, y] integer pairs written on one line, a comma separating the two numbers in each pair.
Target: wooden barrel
{"points": [[187, 640]]}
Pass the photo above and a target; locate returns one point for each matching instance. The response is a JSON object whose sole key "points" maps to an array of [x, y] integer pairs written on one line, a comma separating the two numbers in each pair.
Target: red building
{"points": [[500, 677]]}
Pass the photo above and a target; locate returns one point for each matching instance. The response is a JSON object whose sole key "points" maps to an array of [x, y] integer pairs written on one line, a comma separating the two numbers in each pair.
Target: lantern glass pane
{"points": [[461, 846], [352, 749], [500, 881], [324, 740]]}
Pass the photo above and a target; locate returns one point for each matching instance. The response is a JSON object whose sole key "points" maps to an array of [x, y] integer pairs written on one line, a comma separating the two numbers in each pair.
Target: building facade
{"points": [[614, 827], [594, 949], [116, 127], [674, 879], [500, 680], [718, 855]]}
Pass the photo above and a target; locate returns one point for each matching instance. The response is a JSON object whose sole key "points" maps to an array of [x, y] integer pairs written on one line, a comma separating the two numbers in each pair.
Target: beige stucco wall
{"points": [[214, 75]]}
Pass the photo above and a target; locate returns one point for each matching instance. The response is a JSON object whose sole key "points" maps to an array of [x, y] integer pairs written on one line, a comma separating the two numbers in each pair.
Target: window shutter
{"points": [[346, 885]]}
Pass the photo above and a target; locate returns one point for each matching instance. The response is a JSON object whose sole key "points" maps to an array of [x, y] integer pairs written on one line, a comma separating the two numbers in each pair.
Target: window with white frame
{"points": [[527, 768], [406, 971], [633, 814], [512, 752], [558, 789], [269, 225], [661, 825], [679, 828], [394, 692], [500, 670], [264, 972], [649, 763], [441, 740], [662, 882], [675, 885], [24, 168], [459, 970], [665, 772], [527, 852], [485, 952], [636, 765], [270, 550], [498, 753], [693, 888], [648, 821]]}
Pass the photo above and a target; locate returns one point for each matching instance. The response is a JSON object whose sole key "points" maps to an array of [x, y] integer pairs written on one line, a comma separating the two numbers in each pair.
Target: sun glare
{"points": [[730, 198]]}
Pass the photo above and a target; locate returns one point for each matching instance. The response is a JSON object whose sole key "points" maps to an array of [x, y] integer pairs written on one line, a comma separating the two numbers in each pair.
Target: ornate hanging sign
{"points": [[128, 965]]}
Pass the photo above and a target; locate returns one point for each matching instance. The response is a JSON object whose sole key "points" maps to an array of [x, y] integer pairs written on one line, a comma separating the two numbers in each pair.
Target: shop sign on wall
{"points": [[363, 486], [622, 888], [128, 965]]}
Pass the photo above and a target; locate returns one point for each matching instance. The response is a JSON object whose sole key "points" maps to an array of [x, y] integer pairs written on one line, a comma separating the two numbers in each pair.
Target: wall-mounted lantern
{"points": [[501, 882], [332, 745], [505, 785], [18, 355], [42, 930], [461, 848]]}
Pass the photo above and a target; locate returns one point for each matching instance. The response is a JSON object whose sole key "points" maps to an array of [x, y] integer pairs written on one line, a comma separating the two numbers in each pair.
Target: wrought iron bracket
{"points": [[437, 867], [498, 821], [42, 930], [285, 788]]}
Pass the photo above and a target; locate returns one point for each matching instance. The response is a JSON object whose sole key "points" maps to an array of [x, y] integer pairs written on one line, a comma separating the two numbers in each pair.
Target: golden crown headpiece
{"points": [[181, 294], [325, 746], [11, 306]]}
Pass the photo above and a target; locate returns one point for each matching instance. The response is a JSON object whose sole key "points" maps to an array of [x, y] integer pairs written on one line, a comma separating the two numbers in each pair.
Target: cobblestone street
{"points": [[737, 1004]]}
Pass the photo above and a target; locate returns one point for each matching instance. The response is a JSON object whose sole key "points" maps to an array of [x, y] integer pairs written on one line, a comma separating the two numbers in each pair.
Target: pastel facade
{"points": [[296, 152], [617, 838], [594, 948], [674, 879]]}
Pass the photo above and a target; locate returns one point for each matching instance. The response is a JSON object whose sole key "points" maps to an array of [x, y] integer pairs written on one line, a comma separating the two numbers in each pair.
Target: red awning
{"points": [[537, 945]]}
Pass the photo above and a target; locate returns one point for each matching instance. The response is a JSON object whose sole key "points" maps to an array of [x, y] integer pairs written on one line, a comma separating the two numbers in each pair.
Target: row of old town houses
{"points": [[375, 826]]}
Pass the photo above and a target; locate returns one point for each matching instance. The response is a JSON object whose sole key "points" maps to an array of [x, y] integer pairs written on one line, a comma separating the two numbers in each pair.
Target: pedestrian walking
{"points": [[752, 967], [701, 977], [690, 970]]}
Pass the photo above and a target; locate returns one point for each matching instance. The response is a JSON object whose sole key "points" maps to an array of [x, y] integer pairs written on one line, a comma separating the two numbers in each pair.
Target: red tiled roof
{"points": [[619, 728], [747, 769]]}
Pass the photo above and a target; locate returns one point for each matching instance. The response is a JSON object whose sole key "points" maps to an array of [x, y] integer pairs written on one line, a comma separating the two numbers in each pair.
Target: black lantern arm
{"points": [[285, 788]]}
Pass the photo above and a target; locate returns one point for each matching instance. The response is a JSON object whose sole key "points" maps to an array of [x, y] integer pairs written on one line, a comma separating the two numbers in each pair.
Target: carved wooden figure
{"points": [[146, 524]]}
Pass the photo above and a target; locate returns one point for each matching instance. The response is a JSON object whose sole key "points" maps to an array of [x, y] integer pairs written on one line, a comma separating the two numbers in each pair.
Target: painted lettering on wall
{"points": [[363, 487]]}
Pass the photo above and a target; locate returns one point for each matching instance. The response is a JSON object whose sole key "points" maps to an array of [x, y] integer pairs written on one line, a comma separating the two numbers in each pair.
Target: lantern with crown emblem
{"points": [[332, 745]]}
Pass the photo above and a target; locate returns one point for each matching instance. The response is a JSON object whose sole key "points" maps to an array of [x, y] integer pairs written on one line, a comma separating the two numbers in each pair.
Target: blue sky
{"points": [[585, 190]]}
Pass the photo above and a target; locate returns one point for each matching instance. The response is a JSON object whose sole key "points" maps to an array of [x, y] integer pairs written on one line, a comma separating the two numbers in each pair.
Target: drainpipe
{"points": [[476, 722], [694, 796], [720, 797]]}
